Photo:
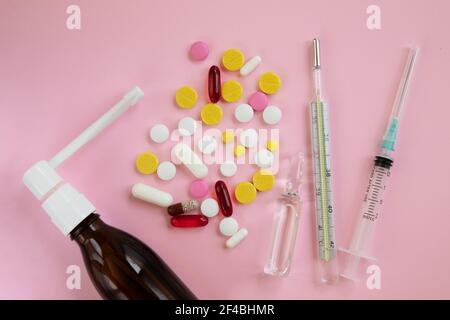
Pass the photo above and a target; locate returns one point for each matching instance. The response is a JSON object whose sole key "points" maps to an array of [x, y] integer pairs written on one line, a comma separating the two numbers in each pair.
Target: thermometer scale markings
{"points": [[322, 178]]}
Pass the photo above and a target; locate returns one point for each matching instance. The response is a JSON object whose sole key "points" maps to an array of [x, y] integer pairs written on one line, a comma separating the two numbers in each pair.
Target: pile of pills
{"points": [[186, 97]]}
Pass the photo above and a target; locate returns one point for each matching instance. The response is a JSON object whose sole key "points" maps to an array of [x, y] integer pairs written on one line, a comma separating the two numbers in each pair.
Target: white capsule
{"points": [[152, 195], [183, 153], [236, 238], [250, 65]]}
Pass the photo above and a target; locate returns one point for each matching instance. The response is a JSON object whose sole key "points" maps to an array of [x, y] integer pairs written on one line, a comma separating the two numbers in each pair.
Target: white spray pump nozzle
{"points": [[130, 99], [41, 178], [65, 206]]}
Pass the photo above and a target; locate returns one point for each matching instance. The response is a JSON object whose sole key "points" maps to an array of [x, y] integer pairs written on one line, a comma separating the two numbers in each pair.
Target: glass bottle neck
{"points": [[90, 222]]}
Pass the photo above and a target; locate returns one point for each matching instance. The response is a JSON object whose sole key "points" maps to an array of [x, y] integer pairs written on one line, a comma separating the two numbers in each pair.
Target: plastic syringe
{"points": [[378, 178], [321, 159]]}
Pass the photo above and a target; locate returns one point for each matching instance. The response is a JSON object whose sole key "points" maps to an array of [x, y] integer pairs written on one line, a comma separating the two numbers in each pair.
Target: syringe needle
{"points": [[390, 135], [405, 82]]}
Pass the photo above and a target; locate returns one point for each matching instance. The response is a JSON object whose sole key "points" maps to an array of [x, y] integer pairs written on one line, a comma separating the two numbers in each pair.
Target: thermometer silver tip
{"points": [[316, 53]]}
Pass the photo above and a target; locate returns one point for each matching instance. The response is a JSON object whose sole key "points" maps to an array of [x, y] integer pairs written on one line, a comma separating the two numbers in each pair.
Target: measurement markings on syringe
{"points": [[374, 192]]}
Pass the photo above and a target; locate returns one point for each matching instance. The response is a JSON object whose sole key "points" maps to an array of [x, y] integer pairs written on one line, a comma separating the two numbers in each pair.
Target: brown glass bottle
{"points": [[123, 267]]}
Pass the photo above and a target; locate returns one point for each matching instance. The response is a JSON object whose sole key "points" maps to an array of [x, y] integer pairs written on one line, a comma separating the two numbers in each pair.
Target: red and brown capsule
{"points": [[182, 207]]}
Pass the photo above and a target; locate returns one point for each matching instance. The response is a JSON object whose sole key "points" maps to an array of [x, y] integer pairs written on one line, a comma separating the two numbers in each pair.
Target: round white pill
{"points": [[249, 138], [159, 133], [228, 226], [264, 158], [228, 168], [166, 171], [272, 115], [243, 113], [187, 126], [209, 208], [207, 144]]}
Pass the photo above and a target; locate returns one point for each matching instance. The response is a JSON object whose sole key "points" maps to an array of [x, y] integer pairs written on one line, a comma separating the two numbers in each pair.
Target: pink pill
{"points": [[258, 101], [198, 188], [199, 51]]}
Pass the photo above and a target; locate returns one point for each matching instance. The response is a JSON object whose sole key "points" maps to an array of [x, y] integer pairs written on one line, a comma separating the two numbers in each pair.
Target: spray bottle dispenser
{"points": [[119, 265]]}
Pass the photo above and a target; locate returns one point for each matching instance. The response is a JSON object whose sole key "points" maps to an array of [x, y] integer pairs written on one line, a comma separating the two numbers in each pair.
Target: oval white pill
{"points": [[236, 238], [207, 144], [249, 138], [272, 115], [152, 195], [264, 158], [187, 126], [166, 170], [228, 226], [184, 154], [159, 133], [228, 168], [250, 65], [243, 113], [209, 208]]}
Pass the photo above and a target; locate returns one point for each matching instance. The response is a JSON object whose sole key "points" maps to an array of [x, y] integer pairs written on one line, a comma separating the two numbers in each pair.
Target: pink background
{"points": [[54, 82]]}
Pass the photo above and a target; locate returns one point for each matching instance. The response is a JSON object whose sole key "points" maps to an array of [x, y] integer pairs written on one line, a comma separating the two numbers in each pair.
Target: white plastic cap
{"points": [[41, 178], [134, 95], [67, 208]]}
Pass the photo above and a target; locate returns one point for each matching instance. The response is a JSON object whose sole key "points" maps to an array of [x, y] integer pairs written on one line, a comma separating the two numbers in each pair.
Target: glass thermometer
{"points": [[321, 159]]}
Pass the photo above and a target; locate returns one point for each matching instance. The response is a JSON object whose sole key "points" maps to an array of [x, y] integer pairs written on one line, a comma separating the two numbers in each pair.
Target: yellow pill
{"points": [[272, 145], [232, 91], [211, 114], [228, 136], [147, 163], [239, 150], [233, 59], [245, 192], [263, 180], [186, 97], [269, 82]]}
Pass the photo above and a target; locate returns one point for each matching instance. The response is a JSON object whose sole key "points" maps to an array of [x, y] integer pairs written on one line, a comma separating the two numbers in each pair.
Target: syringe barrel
{"points": [[367, 220], [370, 211]]}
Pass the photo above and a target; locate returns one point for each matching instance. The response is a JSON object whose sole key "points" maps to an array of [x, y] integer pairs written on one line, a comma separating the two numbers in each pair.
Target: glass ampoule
{"points": [[286, 219]]}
